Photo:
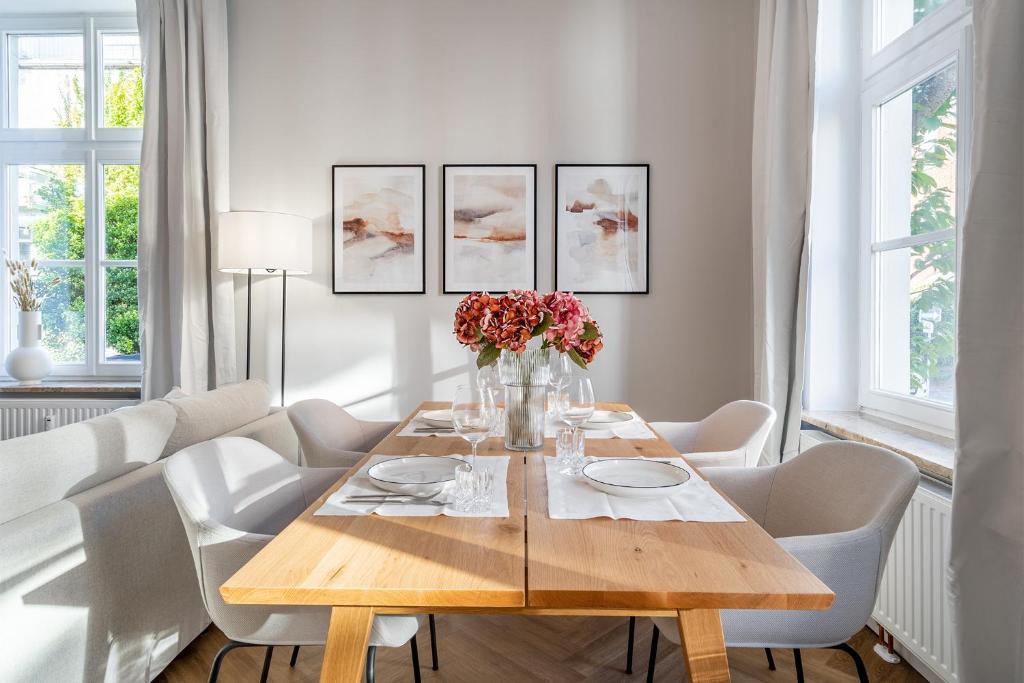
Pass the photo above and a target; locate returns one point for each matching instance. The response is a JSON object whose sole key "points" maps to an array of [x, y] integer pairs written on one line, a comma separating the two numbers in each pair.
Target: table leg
{"points": [[700, 632], [347, 639]]}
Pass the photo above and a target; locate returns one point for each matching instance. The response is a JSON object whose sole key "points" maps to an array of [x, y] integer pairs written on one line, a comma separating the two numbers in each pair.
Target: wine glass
{"points": [[575, 402], [473, 415], [560, 368], [487, 379]]}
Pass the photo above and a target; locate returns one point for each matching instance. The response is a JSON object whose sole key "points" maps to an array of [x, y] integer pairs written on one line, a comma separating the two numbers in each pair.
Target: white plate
{"points": [[634, 478], [437, 418], [423, 475], [606, 419]]}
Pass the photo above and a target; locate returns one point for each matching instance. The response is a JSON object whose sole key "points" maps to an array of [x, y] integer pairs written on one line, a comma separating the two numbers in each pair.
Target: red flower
{"points": [[510, 325], [588, 348], [469, 318]]}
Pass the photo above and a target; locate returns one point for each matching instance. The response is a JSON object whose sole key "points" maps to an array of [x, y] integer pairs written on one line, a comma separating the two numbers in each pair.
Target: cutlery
{"points": [[434, 430], [392, 501]]}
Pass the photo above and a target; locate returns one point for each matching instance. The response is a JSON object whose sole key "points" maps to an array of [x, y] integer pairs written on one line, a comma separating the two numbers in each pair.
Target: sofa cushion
{"points": [[43, 468], [207, 415]]}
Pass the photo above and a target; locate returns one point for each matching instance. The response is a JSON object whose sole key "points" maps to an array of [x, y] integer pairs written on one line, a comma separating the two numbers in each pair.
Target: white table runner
{"points": [[573, 498], [634, 429], [360, 483]]}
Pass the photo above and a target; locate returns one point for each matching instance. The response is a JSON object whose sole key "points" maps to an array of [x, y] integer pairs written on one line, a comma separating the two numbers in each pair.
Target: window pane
{"points": [[64, 313], [51, 211], [50, 75], [121, 206], [896, 17], [121, 315], [916, 320], [122, 80], [917, 159]]}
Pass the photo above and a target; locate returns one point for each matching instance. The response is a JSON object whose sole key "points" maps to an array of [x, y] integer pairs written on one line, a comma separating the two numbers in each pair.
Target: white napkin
{"points": [[571, 497], [360, 483], [634, 429]]}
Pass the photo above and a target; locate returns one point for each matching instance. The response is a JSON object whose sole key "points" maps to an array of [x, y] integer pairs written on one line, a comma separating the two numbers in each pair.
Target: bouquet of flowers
{"points": [[488, 324]]}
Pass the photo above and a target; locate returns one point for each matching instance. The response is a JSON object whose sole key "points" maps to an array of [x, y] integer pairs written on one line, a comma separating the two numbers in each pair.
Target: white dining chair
{"points": [[732, 436], [835, 508], [329, 436], [234, 495]]}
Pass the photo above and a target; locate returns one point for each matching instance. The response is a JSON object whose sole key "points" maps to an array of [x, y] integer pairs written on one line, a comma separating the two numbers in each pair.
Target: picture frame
{"points": [[602, 228], [378, 229], [489, 227]]}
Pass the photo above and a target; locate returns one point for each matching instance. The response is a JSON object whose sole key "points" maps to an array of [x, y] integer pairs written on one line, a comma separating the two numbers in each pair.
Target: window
{"points": [[915, 139], [69, 155]]}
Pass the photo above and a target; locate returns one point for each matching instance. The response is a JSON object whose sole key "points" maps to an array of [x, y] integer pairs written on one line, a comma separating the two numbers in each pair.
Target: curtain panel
{"points": [[781, 197], [186, 307], [987, 547]]}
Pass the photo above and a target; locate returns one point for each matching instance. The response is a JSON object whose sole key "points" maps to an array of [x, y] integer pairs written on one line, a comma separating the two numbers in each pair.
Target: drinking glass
{"points": [[487, 379], [473, 416], [559, 374], [474, 488], [569, 456], [575, 404]]}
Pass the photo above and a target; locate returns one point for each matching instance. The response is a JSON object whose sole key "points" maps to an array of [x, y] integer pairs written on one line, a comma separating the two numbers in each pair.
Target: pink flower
{"points": [[588, 348], [568, 316], [511, 323]]}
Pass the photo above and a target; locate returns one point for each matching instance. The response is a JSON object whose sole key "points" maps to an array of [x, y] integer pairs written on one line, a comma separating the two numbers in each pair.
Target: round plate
{"points": [[423, 475], [437, 418], [606, 419], [634, 478]]}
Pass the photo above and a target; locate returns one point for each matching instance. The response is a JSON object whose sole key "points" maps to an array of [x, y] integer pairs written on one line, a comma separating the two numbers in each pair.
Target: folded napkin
{"points": [[571, 497], [360, 483], [634, 429]]}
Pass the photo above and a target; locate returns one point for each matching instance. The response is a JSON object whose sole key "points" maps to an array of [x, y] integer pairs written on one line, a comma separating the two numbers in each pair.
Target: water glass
{"points": [[474, 488], [569, 451]]}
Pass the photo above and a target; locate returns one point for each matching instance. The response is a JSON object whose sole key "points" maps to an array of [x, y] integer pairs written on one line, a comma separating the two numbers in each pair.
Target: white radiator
{"points": [[19, 417], [913, 600]]}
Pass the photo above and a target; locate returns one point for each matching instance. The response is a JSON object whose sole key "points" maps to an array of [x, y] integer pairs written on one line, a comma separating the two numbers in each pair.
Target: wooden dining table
{"points": [[526, 563]]}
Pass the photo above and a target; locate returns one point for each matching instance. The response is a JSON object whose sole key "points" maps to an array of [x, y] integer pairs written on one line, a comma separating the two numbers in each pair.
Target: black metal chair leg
{"points": [[799, 666], [433, 643], [415, 659], [266, 664], [771, 659], [862, 672], [629, 645], [295, 656], [371, 660], [215, 667], [654, 656]]}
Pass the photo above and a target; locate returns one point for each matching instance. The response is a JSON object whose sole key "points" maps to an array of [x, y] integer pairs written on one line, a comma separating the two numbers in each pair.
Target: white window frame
{"points": [[937, 41], [93, 146]]}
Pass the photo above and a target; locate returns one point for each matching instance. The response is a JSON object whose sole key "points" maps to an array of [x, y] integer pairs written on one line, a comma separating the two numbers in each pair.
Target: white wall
{"points": [[668, 82]]}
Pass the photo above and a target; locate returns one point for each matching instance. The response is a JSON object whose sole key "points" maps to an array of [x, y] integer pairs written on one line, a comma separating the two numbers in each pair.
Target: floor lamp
{"points": [[264, 243]]}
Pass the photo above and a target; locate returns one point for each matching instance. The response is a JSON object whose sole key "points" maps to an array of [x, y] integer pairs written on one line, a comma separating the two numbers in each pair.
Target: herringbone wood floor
{"points": [[476, 648]]}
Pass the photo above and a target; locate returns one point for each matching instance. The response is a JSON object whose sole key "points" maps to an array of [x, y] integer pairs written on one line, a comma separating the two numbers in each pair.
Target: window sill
{"points": [[932, 453], [78, 388]]}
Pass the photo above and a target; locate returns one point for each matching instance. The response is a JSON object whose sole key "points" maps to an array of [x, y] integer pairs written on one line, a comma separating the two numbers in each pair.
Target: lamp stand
{"points": [[248, 323], [284, 303]]}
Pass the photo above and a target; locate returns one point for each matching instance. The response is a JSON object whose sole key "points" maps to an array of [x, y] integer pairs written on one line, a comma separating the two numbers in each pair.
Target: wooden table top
{"points": [[471, 562]]}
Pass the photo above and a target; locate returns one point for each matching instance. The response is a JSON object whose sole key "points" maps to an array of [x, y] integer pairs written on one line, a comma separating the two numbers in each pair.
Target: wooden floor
{"points": [[475, 648]]}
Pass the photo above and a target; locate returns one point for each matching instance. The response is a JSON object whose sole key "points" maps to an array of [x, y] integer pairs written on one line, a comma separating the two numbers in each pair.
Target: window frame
{"points": [[93, 146], [939, 40]]}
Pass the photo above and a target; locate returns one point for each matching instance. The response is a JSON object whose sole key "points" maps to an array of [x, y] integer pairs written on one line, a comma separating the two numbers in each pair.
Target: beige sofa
{"points": [[96, 578]]}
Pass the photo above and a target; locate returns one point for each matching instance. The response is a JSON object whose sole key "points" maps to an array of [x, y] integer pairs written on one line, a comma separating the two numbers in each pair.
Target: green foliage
{"points": [[932, 306], [122, 94]]}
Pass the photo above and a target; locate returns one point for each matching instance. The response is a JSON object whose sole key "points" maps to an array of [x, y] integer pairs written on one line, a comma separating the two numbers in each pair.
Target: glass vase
{"points": [[525, 377]]}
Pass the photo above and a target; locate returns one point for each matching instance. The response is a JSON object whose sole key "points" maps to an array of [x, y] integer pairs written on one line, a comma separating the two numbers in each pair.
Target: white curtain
{"points": [[987, 550], [186, 307], [783, 120]]}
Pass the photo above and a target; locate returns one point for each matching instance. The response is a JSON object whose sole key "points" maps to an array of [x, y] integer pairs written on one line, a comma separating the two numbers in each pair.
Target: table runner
{"points": [[360, 483], [571, 497]]}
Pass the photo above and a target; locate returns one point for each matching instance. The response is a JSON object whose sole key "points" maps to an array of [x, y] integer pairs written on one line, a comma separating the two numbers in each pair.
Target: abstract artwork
{"points": [[378, 244], [601, 228], [490, 218]]}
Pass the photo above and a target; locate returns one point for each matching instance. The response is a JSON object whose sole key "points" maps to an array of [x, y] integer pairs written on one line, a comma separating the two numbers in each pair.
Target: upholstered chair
{"points": [[234, 495], [835, 508], [330, 437], [732, 436]]}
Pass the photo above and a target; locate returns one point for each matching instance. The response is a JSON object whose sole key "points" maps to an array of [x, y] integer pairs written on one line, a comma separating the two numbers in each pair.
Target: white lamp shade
{"points": [[261, 240]]}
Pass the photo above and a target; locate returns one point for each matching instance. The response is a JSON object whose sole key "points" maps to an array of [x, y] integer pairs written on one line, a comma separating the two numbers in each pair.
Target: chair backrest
{"points": [[841, 486], [740, 425], [324, 427]]}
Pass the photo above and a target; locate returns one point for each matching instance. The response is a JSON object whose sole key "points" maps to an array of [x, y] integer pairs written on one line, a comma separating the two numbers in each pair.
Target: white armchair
{"points": [[330, 437], [732, 436], [234, 495], [835, 508]]}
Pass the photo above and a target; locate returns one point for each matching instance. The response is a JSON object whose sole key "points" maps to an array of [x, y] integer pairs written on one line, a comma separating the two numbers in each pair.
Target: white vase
{"points": [[29, 363]]}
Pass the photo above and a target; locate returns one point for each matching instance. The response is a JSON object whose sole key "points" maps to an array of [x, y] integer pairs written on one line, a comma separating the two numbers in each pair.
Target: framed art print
{"points": [[377, 232], [490, 227], [602, 234]]}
